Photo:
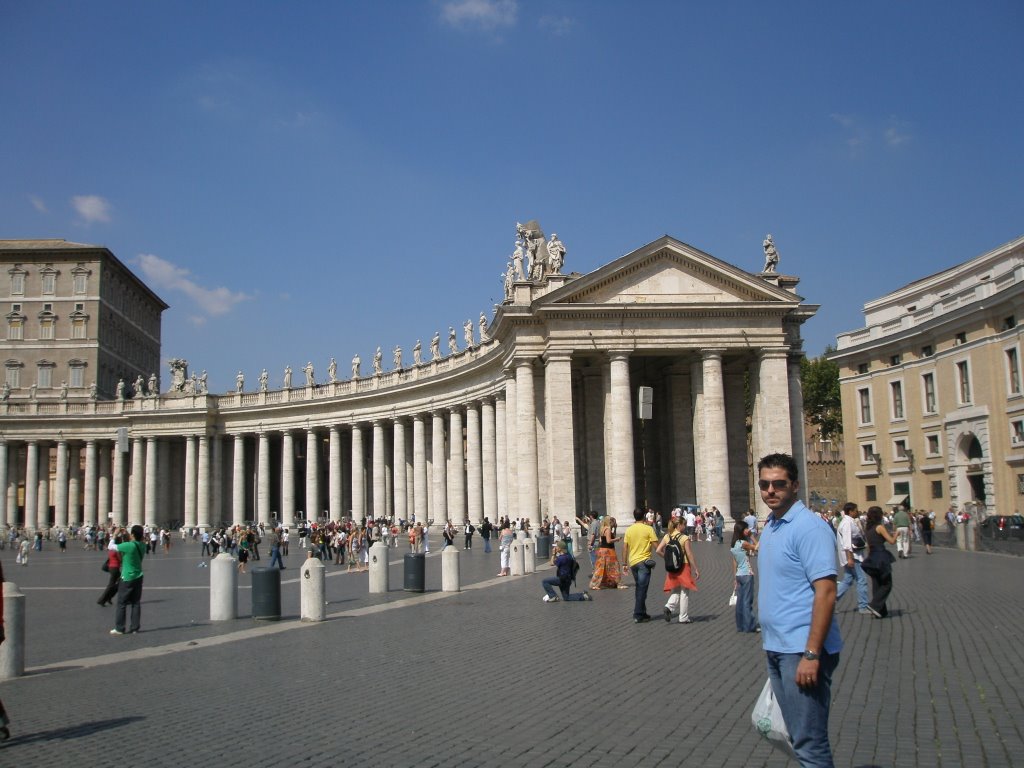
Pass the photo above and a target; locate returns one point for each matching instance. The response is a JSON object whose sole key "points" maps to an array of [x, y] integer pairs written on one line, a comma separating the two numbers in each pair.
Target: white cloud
{"points": [[895, 135], [91, 208], [557, 25], [485, 14], [162, 274], [38, 204]]}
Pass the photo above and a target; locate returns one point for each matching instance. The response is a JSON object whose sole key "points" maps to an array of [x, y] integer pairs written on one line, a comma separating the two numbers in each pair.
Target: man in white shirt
{"points": [[852, 546]]}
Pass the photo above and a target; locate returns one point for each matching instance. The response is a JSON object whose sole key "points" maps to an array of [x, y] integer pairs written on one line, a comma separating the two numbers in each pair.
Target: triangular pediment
{"points": [[668, 272]]}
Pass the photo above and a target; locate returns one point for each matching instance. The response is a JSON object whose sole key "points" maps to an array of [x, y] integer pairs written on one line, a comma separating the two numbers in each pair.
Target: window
{"points": [[870, 494], [897, 399], [936, 489], [1013, 370], [867, 453], [928, 385], [15, 329], [932, 445], [79, 281], [76, 374], [16, 308], [1009, 323], [17, 282], [927, 350], [961, 338], [899, 449], [46, 326], [78, 328], [895, 359], [49, 283], [863, 367], [14, 374], [901, 489], [79, 307], [1017, 432], [963, 375], [864, 397], [45, 377]]}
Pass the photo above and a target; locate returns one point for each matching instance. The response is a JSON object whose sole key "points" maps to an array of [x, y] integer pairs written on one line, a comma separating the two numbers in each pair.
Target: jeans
{"points": [[805, 710], [745, 619], [642, 577], [487, 545], [275, 554], [553, 581], [129, 593], [903, 541], [849, 576]]}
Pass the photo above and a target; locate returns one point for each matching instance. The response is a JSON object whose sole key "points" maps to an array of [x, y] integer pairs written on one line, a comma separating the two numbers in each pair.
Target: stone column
{"points": [[137, 487], [334, 495], [216, 478], [31, 483], [622, 485], [43, 516], [4, 506], [13, 479], [736, 432], [487, 460], [150, 500], [511, 445], [474, 466], [288, 479], [191, 514], [715, 446], [358, 475], [697, 410], [119, 482], [238, 480], [526, 428], [796, 420], [60, 506], [399, 471], [561, 444], [313, 475], [263, 479], [439, 465], [500, 457], [594, 419], [457, 469], [379, 472], [90, 513], [419, 469], [103, 485], [203, 484]]}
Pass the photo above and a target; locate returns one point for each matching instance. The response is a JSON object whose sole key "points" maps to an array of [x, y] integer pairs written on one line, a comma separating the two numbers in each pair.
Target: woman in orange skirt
{"points": [[606, 564], [681, 583]]}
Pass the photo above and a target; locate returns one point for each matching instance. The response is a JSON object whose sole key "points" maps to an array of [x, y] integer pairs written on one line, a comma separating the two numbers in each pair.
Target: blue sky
{"points": [[307, 180]]}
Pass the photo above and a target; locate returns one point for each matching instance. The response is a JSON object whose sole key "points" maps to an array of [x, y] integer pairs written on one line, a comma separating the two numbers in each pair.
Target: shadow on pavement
{"points": [[73, 732]]}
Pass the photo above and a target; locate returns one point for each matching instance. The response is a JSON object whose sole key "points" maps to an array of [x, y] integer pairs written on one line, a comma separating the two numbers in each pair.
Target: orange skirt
{"points": [[683, 580]]}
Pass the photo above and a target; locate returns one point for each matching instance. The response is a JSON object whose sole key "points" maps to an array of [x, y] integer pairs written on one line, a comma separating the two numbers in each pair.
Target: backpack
{"points": [[675, 555]]}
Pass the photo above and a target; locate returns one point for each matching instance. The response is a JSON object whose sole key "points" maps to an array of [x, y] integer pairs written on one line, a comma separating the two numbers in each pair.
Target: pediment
{"points": [[668, 272]]}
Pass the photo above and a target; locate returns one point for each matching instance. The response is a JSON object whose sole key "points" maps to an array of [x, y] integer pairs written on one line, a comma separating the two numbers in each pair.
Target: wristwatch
{"points": [[810, 655]]}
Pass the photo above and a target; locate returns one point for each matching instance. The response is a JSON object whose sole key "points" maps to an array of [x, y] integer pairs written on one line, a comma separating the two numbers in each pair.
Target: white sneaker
{"points": [[549, 599]]}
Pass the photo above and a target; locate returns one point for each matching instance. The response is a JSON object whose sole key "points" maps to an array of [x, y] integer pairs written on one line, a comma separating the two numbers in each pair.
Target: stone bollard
{"points": [[515, 557], [12, 651], [576, 541], [972, 534], [961, 536], [379, 568], [312, 575], [223, 588], [529, 556], [450, 581]]}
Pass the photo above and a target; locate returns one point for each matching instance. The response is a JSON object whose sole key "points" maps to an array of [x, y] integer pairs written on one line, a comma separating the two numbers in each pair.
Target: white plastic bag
{"points": [[732, 600], [767, 720]]}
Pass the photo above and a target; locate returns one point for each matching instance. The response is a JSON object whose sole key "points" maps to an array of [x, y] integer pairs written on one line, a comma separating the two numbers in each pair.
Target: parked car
{"points": [[1003, 527]]}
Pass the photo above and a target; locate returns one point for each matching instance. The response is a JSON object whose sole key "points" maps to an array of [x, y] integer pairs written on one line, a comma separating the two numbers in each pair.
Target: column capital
{"points": [[713, 353], [773, 353], [615, 355], [557, 356], [523, 362]]}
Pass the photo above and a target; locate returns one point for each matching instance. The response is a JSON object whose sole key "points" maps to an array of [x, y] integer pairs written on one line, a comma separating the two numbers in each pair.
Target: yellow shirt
{"points": [[639, 542]]}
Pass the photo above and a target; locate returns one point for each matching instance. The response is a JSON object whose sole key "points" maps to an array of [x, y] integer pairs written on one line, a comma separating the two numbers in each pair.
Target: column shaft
{"points": [[90, 512], [526, 430], [150, 502], [137, 488], [488, 457], [358, 475], [31, 483], [561, 442], [419, 469], [399, 471], [263, 479], [334, 485], [313, 506], [500, 457], [456, 469], [379, 470], [439, 464], [715, 446], [238, 480], [288, 478], [203, 484], [191, 515], [60, 507], [622, 498]]}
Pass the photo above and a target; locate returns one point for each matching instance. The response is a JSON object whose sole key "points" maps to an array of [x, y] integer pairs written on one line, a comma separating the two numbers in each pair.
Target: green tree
{"points": [[822, 404]]}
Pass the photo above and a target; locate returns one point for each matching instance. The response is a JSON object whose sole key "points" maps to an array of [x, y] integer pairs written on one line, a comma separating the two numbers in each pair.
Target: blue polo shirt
{"points": [[794, 551]]}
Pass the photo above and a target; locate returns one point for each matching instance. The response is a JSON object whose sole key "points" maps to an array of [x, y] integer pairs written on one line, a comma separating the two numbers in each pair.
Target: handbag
{"points": [[768, 721], [105, 567], [732, 600]]}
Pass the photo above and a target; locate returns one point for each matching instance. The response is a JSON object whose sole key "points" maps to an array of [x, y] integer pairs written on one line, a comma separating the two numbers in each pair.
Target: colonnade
{"points": [[543, 435]]}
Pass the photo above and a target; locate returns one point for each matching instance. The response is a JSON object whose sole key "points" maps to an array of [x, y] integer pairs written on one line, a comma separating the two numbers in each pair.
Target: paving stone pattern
{"points": [[493, 676]]}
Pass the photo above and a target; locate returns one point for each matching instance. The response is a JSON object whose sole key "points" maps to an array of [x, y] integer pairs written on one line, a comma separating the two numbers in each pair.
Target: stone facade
{"points": [[933, 404], [74, 314], [538, 417]]}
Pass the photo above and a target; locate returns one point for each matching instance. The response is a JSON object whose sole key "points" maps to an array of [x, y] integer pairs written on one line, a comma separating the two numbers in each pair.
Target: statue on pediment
{"points": [[483, 328], [771, 256], [332, 371], [556, 255], [397, 358], [179, 372], [63, 390], [119, 391], [356, 362], [453, 345], [5, 393], [467, 333], [140, 386], [378, 368], [310, 377], [533, 238], [264, 380], [287, 377], [153, 385], [417, 353], [506, 280], [517, 265], [435, 346], [203, 385], [239, 382]]}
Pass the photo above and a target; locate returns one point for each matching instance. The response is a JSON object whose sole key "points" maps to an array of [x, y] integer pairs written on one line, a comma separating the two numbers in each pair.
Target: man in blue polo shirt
{"points": [[796, 601]]}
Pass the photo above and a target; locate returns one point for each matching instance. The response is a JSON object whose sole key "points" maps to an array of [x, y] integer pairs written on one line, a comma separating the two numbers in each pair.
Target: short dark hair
{"points": [[638, 514], [848, 507], [874, 516], [780, 461], [138, 532]]}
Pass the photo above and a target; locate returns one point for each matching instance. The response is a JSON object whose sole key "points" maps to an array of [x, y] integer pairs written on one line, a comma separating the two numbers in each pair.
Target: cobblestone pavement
{"points": [[493, 676]]}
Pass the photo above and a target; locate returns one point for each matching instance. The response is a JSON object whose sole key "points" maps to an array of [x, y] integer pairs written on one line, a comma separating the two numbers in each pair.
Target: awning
{"points": [[899, 500]]}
